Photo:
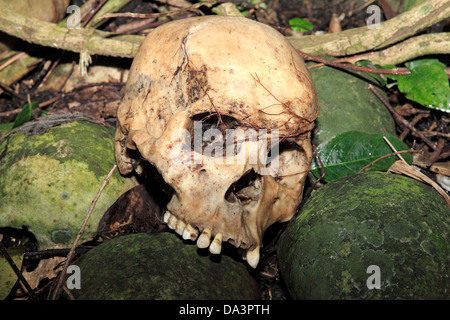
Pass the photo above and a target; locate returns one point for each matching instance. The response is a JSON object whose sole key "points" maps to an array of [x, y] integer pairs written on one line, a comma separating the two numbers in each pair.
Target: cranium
{"points": [[223, 108]]}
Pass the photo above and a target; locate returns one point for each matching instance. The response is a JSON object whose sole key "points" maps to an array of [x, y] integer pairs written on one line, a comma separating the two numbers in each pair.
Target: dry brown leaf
{"points": [[400, 167], [335, 24], [45, 269], [441, 167]]}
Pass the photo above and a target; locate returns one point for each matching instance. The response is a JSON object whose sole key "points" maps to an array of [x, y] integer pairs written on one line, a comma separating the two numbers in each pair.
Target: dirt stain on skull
{"points": [[143, 82], [197, 83]]}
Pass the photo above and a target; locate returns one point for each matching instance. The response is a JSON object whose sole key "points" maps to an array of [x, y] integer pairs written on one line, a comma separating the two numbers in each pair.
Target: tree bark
{"points": [[427, 44], [93, 41], [363, 39]]}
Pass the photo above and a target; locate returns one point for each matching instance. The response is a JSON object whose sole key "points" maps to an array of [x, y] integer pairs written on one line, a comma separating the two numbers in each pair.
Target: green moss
{"points": [[344, 282], [61, 236], [48, 181], [346, 105], [160, 266], [402, 230], [370, 232], [345, 249], [400, 225], [67, 142], [424, 9]]}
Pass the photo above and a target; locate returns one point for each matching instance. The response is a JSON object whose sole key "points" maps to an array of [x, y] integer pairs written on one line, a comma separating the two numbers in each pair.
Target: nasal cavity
{"points": [[245, 190]]}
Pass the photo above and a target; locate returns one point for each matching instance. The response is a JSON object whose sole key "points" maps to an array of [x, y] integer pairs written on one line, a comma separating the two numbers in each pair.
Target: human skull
{"points": [[203, 99]]}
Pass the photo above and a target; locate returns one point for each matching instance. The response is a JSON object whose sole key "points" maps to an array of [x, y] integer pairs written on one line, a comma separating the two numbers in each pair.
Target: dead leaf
{"points": [[45, 269], [399, 167], [135, 210], [335, 24], [441, 167]]}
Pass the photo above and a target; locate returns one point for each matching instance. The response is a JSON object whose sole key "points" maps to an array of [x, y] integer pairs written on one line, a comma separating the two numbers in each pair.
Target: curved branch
{"points": [[363, 39], [349, 42], [50, 35], [427, 44]]}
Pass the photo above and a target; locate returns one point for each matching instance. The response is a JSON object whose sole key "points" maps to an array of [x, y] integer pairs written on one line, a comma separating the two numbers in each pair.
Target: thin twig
{"points": [[393, 149], [92, 13], [413, 122], [435, 156], [67, 291], [14, 58], [396, 153], [400, 119], [17, 271], [67, 77], [320, 64], [52, 68], [80, 233], [154, 15], [444, 155], [396, 71], [4, 53], [368, 3], [10, 113], [11, 91], [50, 253], [287, 109]]}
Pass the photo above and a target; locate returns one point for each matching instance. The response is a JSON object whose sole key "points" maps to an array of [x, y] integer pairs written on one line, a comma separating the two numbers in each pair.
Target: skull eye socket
{"points": [[208, 133]]}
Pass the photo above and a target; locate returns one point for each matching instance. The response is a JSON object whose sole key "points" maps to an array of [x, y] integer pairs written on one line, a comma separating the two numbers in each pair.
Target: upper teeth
{"points": [[216, 245], [189, 232], [204, 239]]}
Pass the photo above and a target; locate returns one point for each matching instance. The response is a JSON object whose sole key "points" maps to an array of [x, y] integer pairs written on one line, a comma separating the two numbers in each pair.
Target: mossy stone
{"points": [[48, 180], [372, 219], [346, 104], [160, 267]]}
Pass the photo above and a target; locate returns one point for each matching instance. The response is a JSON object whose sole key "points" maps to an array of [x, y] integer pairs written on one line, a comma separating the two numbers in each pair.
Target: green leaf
{"points": [[260, 3], [427, 84], [424, 62], [381, 78], [244, 12], [25, 114], [349, 152], [6, 126], [298, 24]]}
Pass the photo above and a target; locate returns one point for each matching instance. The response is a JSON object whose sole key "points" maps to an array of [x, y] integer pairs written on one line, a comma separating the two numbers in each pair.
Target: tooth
{"points": [[180, 227], [216, 245], [172, 223], [190, 233], [167, 215], [204, 239], [253, 257]]}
